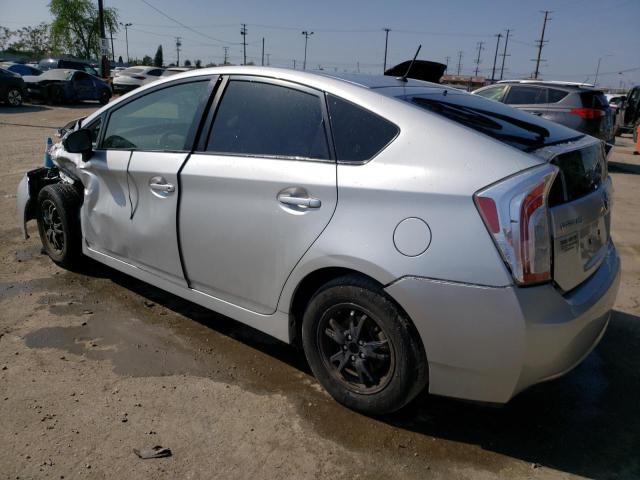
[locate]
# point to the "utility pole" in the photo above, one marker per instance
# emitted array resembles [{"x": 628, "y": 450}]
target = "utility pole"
[
  {"x": 263, "y": 51},
  {"x": 459, "y": 61},
  {"x": 306, "y": 39},
  {"x": 386, "y": 44},
  {"x": 178, "y": 45},
  {"x": 541, "y": 43},
  {"x": 268, "y": 59},
  {"x": 126, "y": 36},
  {"x": 447, "y": 58},
  {"x": 480, "y": 48},
  {"x": 226, "y": 55},
  {"x": 495, "y": 59},
  {"x": 243, "y": 32},
  {"x": 504, "y": 52},
  {"x": 103, "y": 37},
  {"x": 113, "y": 52},
  {"x": 294, "y": 63},
  {"x": 595, "y": 82}
]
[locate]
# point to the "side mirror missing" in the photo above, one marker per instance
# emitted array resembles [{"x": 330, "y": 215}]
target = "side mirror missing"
[{"x": 79, "y": 142}]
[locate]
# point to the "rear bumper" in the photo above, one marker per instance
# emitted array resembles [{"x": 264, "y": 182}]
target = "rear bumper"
[{"x": 489, "y": 343}]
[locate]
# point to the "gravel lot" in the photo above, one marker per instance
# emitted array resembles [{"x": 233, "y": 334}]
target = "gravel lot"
[{"x": 95, "y": 364}]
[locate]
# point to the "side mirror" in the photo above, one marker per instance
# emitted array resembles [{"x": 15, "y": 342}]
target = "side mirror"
[{"x": 79, "y": 142}]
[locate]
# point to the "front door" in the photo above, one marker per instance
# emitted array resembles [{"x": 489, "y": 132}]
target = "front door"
[
  {"x": 133, "y": 207},
  {"x": 258, "y": 193}
]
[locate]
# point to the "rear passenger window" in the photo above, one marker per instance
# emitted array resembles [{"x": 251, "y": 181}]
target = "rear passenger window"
[
  {"x": 359, "y": 135},
  {"x": 556, "y": 95},
  {"x": 264, "y": 119},
  {"x": 526, "y": 95}
]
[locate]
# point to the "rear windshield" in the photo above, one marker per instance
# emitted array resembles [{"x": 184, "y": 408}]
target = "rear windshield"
[
  {"x": 581, "y": 172},
  {"x": 133, "y": 70},
  {"x": 508, "y": 125},
  {"x": 594, "y": 100}
]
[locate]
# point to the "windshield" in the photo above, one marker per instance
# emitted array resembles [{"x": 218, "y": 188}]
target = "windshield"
[{"x": 514, "y": 127}]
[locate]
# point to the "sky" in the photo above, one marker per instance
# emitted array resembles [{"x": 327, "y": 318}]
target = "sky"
[{"x": 349, "y": 35}]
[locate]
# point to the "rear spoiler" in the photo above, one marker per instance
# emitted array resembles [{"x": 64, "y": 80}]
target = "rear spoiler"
[{"x": 421, "y": 70}]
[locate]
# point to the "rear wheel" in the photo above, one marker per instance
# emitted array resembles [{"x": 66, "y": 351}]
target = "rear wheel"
[
  {"x": 59, "y": 223},
  {"x": 104, "y": 97},
  {"x": 14, "y": 97},
  {"x": 362, "y": 348}
]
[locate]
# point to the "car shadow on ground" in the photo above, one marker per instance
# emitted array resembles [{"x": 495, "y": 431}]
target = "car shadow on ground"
[
  {"x": 23, "y": 108},
  {"x": 619, "y": 167},
  {"x": 585, "y": 423}
]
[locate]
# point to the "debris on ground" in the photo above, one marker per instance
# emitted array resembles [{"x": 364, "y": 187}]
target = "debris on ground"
[{"x": 157, "y": 451}]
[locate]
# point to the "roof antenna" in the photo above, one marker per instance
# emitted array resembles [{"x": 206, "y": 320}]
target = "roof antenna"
[{"x": 404, "y": 77}]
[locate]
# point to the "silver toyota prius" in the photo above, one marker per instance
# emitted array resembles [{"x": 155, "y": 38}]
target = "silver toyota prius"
[{"x": 405, "y": 234}]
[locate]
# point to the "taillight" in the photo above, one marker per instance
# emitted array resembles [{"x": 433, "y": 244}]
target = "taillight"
[
  {"x": 516, "y": 215},
  {"x": 588, "y": 113},
  {"x": 138, "y": 77}
]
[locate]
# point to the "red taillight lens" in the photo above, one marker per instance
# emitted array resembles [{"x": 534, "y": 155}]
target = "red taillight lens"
[
  {"x": 588, "y": 113},
  {"x": 515, "y": 213},
  {"x": 489, "y": 213},
  {"x": 138, "y": 77}
]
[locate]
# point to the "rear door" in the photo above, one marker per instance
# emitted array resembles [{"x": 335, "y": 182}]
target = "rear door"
[
  {"x": 133, "y": 206},
  {"x": 258, "y": 192}
]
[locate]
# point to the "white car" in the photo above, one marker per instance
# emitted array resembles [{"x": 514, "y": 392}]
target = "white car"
[
  {"x": 133, "y": 77},
  {"x": 173, "y": 70},
  {"x": 117, "y": 71}
]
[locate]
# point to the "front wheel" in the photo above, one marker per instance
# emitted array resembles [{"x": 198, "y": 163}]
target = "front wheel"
[
  {"x": 59, "y": 223},
  {"x": 104, "y": 97},
  {"x": 362, "y": 348},
  {"x": 14, "y": 97}
]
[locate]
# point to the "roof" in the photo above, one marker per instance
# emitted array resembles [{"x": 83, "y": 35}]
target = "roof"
[{"x": 374, "y": 81}]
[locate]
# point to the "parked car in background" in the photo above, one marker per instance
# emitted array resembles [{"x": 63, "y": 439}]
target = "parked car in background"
[
  {"x": 629, "y": 114},
  {"x": 115, "y": 71},
  {"x": 475, "y": 260},
  {"x": 21, "y": 69},
  {"x": 173, "y": 70},
  {"x": 133, "y": 77},
  {"x": 615, "y": 101},
  {"x": 574, "y": 105},
  {"x": 65, "y": 86},
  {"x": 53, "y": 63},
  {"x": 12, "y": 88}
]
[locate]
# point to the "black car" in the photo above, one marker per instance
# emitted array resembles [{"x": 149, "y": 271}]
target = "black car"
[
  {"x": 53, "y": 63},
  {"x": 11, "y": 88},
  {"x": 628, "y": 119},
  {"x": 21, "y": 69},
  {"x": 573, "y": 105},
  {"x": 63, "y": 86}
]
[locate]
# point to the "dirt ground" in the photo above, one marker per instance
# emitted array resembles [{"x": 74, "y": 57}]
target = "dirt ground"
[{"x": 95, "y": 364}]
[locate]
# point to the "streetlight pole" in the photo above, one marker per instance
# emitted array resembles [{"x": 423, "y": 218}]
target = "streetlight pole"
[
  {"x": 126, "y": 36},
  {"x": 306, "y": 39}
]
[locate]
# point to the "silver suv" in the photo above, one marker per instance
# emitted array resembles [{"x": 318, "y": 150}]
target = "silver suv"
[{"x": 405, "y": 234}]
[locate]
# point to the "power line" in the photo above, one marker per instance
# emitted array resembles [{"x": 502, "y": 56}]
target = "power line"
[{"x": 541, "y": 43}]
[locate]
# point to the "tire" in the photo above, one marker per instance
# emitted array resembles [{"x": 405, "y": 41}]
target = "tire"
[
  {"x": 58, "y": 217},
  {"x": 104, "y": 97},
  {"x": 55, "y": 95},
  {"x": 371, "y": 360},
  {"x": 14, "y": 97}
]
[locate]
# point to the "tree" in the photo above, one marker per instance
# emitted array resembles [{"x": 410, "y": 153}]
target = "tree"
[
  {"x": 5, "y": 36},
  {"x": 147, "y": 61},
  {"x": 198, "y": 63},
  {"x": 157, "y": 60},
  {"x": 76, "y": 29},
  {"x": 120, "y": 62},
  {"x": 34, "y": 40},
  {"x": 187, "y": 63}
]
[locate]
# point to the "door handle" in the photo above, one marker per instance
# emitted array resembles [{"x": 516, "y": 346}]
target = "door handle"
[
  {"x": 159, "y": 184},
  {"x": 307, "y": 202}
]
